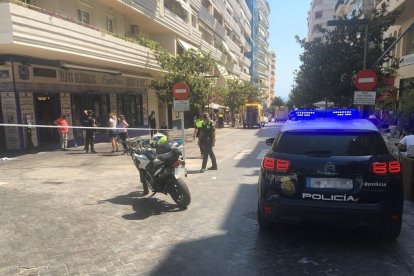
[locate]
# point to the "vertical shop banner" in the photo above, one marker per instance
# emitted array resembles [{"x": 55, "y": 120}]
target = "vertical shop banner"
[
  {"x": 8, "y": 107},
  {"x": 65, "y": 110},
  {"x": 28, "y": 115}
]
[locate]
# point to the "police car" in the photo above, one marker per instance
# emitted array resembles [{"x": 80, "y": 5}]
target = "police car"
[{"x": 330, "y": 167}]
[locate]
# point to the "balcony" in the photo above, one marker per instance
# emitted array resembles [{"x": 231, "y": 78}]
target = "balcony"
[
  {"x": 30, "y": 29},
  {"x": 209, "y": 20}
]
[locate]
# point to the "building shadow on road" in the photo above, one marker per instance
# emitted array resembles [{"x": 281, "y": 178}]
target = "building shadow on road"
[
  {"x": 241, "y": 248},
  {"x": 143, "y": 207}
]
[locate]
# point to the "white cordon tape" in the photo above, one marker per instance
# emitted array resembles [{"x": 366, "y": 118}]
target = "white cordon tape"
[{"x": 82, "y": 127}]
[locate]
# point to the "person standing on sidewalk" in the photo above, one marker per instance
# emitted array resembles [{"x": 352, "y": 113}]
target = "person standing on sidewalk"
[
  {"x": 63, "y": 131},
  {"x": 123, "y": 134},
  {"x": 152, "y": 123},
  {"x": 90, "y": 132},
  {"x": 207, "y": 140},
  {"x": 113, "y": 132}
]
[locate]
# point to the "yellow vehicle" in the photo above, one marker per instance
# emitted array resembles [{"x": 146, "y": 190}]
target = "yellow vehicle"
[{"x": 253, "y": 115}]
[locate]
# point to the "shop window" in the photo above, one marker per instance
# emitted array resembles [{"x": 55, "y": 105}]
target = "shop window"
[
  {"x": 98, "y": 103},
  {"x": 130, "y": 105}
]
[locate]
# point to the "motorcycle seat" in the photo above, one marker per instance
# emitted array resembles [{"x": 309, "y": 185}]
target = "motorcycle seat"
[{"x": 165, "y": 156}]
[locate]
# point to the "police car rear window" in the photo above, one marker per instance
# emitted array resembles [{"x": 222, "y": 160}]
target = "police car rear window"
[{"x": 331, "y": 144}]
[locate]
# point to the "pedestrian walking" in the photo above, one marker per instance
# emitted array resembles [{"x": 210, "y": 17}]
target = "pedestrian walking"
[
  {"x": 89, "y": 132},
  {"x": 198, "y": 123},
  {"x": 220, "y": 120},
  {"x": 123, "y": 133},
  {"x": 63, "y": 131},
  {"x": 207, "y": 140},
  {"x": 152, "y": 123},
  {"x": 113, "y": 132}
]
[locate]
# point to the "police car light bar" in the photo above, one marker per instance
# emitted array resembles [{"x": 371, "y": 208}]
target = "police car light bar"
[{"x": 327, "y": 114}]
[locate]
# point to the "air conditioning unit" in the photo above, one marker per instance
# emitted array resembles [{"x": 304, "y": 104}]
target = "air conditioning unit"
[{"x": 134, "y": 30}]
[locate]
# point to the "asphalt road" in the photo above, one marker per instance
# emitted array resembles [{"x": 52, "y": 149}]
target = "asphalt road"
[{"x": 70, "y": 213}]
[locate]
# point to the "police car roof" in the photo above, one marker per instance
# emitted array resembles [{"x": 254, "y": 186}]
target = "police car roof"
[{"x": 328, "y": 124}]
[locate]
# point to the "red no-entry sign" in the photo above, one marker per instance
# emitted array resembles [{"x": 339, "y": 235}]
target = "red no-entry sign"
[
  {"x": 181, "y": 91},
  {"x": 366, "y": 80}
]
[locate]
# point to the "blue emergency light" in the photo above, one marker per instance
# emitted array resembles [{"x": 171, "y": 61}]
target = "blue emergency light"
[{"x": 307, "y": 114}]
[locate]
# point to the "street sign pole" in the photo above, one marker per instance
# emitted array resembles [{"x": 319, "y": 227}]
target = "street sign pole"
[{"x": 181, "y": 92}]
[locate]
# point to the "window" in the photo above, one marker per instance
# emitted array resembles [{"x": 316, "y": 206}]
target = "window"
[
  {"x": 83, "y": 16},
  {"x": 409, "y": 42},
  {"x": 109, "y": 25},
  {"x": 332, "y": 144},
  {"x": 318, "y": 14}
]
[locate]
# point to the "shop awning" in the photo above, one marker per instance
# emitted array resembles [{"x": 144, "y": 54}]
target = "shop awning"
[{"x": 187, "y": 46}]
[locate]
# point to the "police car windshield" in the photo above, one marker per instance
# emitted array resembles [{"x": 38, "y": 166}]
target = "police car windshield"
[{"x": 331, "y": 143}]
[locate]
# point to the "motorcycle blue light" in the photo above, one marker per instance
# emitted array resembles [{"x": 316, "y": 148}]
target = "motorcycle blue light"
[{"x": 331, "y": 114}]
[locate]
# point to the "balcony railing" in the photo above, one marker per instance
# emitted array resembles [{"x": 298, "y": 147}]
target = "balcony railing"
[{"x": 71, "y": 40}]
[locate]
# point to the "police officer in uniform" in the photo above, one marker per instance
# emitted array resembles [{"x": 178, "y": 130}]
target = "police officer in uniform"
[
  {"x": 197, "y": 128},
  {"x": 207, "y": 138},
  {"x": 90, "y": 133}
]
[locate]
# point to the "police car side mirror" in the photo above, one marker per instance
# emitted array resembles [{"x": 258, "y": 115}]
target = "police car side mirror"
[{"x": 269, "y": 141}]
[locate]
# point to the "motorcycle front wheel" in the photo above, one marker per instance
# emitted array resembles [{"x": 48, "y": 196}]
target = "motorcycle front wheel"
[{"x": 179, "y": 192}]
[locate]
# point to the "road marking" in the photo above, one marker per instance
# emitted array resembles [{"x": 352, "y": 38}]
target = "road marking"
[
  {"x": 262, "y": 154},
  {"x": 241, "y": 155}
]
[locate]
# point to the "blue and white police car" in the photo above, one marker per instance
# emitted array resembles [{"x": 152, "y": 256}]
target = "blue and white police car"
[{"x": 330, "y": 167}]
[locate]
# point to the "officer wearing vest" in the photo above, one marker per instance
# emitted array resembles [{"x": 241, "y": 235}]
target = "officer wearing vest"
[
  {"x": 198, "y": 123},
  {"x": 207, "y": 139},
  {"x": 220, "y": 120}
]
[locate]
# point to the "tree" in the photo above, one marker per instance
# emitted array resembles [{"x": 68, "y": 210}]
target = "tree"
[
  {"x": 237, "y": 93},
  {"x": 190, "y": 67},
  {"x": 278, "y": 101},
  {"x": 330, "y": 64}
]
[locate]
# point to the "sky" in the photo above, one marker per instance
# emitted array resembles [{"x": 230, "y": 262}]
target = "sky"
[{"x": 286, "y": 20}]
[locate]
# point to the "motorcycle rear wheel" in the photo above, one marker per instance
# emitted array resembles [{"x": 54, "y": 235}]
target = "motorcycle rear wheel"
[{"x": 179, "y": 192}]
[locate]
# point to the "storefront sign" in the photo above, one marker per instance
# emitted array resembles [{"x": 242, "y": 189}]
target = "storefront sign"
[
  {"x": 112, "y": 81},
  {"x": 77, "y": 77}
]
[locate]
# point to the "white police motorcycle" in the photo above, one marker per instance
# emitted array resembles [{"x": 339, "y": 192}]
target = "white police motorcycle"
[{"x": 160, "y": 169}]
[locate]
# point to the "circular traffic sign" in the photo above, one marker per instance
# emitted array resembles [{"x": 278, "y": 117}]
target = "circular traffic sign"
[
  {"x": 181, "y": 91},
  {"x": 366, "y": 80}
]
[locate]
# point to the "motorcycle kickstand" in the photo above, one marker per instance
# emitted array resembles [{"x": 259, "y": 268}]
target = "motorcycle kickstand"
[{"x": 151, "y": 195}]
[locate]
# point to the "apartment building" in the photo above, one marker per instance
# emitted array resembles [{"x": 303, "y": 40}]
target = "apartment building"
[
  {"x": 272, "y": 77},
  {"x": 259, "y": 55},
  {"x": 320, "y": 12},
  {"x": 64, "y": 56},
  {"x": 345, "y": 8},
  {"x": 404, "y": 49}
]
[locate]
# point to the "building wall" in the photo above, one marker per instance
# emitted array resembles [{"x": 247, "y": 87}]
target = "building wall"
[
  {"x": 320, "y": 12},
  {"x": 48, "y": 35}
]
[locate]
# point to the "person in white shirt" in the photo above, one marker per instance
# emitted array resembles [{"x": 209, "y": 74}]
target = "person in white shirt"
[
  {"x": 407, "y": 143},
  {"x": 112, "y": 133},
  {"x": 123, "y": 134}
]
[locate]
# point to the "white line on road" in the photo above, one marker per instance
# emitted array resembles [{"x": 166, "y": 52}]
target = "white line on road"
[{"x": 241, "y": 155}]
